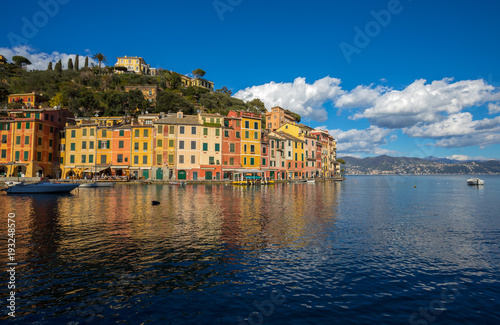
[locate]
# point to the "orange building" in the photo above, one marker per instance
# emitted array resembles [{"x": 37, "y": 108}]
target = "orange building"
[{"x": 29, "y": 100}]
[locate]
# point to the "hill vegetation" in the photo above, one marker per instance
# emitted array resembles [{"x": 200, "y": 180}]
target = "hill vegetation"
[{"x": 91, "y": 90}]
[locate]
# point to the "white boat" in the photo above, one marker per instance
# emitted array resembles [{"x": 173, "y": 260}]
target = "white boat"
[
  {"x": 475, "y": 181},
  {"x": 11, "y": 183},
  {"x": 311, "y": 181},
  {"x": 97, "y": 184},
  {"x": 41, "y": 187}
]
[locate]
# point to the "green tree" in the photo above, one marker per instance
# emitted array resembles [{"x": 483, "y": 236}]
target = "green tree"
[
  {"x": 257, "y": 105},
  {"x": 57, "y": 100},
  {"x": 86, "y": 62},
  {"x": 198, "y": 73},
  {"x": 340, "y": 160},
  {"x": 20, "y": 61},
  {"x": 101, "y": 58},
  {"x": 70, "y": 64},
  {"x": 170, "y": 101},
  {"x": 174, "y": 80},
  {"x": 224, "y": 90},
  {"x": 77, "y": 62},
  {"x": 49, "y": 66},
  {"x": 58, "y": 66}
]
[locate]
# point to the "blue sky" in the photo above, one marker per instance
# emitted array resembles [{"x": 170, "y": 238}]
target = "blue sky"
[{"x": 421, "y": 78}]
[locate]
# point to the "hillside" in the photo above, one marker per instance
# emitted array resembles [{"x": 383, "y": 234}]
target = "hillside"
[{"x": 416, "y": 166}]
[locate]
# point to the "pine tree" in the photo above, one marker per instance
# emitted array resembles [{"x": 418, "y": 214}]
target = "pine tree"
[
  {"x": 70, "y": 64},
  {"x": 58, "y": 66},
  {"x": 86, "y": 62},
  {"x": 50, "y": 66},
  {"x": 77, "y": 62}
]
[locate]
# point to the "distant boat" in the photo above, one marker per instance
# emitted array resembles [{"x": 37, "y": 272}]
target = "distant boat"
[
  {"x": 41, "y": 187},
  {"x": 475, "y": 181},
  {"x": 311, "y": 181},
  {"x": 97, "y": 184}
]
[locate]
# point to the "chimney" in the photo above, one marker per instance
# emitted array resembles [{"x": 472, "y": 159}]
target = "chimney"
[{"x": 180, "y": 114}]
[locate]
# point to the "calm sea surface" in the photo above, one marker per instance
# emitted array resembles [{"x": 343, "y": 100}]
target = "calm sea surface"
[{"x": 370, "y": 250}]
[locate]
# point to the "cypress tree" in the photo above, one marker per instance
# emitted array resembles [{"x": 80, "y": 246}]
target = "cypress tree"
[
  {"x": 86, "y": 62},
  {"x": 58, "y": 66},
  {"x": 77, "y": 62},
  {"x": 50, "y": 66},
  {"x": 70, "y": 64}
]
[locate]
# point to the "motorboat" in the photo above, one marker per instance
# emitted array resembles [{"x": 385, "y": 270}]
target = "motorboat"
[
  {"x": 12, "y": 183},
  {"x": 97, "y": 184},
  {"x": 42, "y": 187},
  {"x": 475, "y": 181},
  {"x": 311, "y": 181}
]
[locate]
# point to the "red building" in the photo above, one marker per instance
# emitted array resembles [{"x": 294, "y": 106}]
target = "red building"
[
  {"x": 231, "y": 144},
  {"x": 30, "y": 100}
]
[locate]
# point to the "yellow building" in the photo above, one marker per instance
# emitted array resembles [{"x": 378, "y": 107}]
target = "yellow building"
[
  {"x": 143, "y": 137},
  {"x": 250, "y": 139},
  {"x": 135, "y": 64},
  {"x": 198, "y": 82}
]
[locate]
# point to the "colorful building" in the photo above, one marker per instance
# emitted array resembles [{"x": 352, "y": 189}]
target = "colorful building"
[
  {"x": 211, "y": 146},
  {"x": 250, "y": 138},
  {"x": 30, "y": 142},
  {"x": 231, "y": 145},
  {"x": 149, "y": 91},
  {"x": 30, "y": 100},
  {"x": 196, "y": 82},
  {"x": 135, "y": 64},
  {"x": 277, "y": 117}
]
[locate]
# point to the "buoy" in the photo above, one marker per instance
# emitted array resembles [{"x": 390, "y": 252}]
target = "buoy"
[
  {"x": 414, "y": 186},
  {"x": 155, "y": 202}
]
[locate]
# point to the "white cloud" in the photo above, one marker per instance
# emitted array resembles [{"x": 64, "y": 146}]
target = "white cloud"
[
  {"x": 40, "y": 60},
  {"x": 421, "y": 102},
  {"x": 299, "y": 97},
  {"x": 494, "y": 108},
  {"x": 360, "y": 97},
  {"x": 367, "y": 141},
  {"x": 466, "y": 158},
  {"x": 469, "y": 140}
]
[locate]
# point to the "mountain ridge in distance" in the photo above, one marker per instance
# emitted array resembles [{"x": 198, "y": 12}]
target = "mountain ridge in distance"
[{"x": 384, "y": 164}]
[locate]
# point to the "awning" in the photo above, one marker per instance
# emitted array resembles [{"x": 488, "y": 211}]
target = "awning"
[
  {"x": 243, "y": 170},
  {"x": 11, "y": 163},
  {"x": 145, "y": 167},
  {"x": 120, "y": 167}
]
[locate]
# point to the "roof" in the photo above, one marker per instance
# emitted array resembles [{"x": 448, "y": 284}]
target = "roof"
[{"x": 185, "y": 120}]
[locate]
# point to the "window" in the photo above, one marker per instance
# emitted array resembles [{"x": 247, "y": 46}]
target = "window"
[
  {"x": 84, "y": 145},
  {"x": 39, "y": 141},
  {"x": 193, "y": 145},
  {"x": 91, "y": 144},
  {"x": 181, "y": 129},
  {"x": 263, "y": 149},
  {"x": 226, "y": 133},
  {"x": 84, "y": 132},
  {"x": 171, "y": 129},
  {"x": 144, "y": 160},
  {"x": 50, "y": 143},
  {"x": 231, "y": 148},
  {"x": 205, "y": 147},
  {"x": 231, "y": 161},
  {"x": 17, "y": 155},
  {"x": 205, "y": 131},
  {"x": 252, "y": 161},
  {"x": 136, "y": 160},
  {"x": 217, "y": 147},
  {"x": 119, "y": 158},
  {"x": 193, "y": 130},
  {"x": 122, "y": 133},
  {"x": 170, "y": 159},
  {"x": 18, "y": 139},
  {"x": 145, "y": 146},
  {"x": 52, "y": 129},
  {"x": 19, "y": 125},
  {"x": 237, "y": 134},
  {"x": 91, "y": 158},
  {"x": 158, "y": 159},
  {"x": 26, "y": 140},
  {"x": 263, "y": 161},
  {"x": 146, "y": 133},
  {"x": 72, "y": 159},
  {"x": 27, "y": 125},
  {"x": 256, "y": 135},
  {"x": 211, "y": 160},
  {"x": 244, "y": 160},
  {"x": 181, "y": 144},
  {"x": 245, "y": 148},
  {"x": 91, "y": 133},
  {"x": 247, "y": 125},
  {"x": 72, "y": 146},
  {"x": 256, "y": 125},
  {"x": 84, "y": 159},
  {"x": 160, "y": 129},
  {"x": 181, "y": 159},
  {"x": 104, "y": 133},
  {"x": 247, "y": 134},
  {"x": 252, "y": 148},
  {"x": 217, "y": 132},
  {"x": 237, "y": 123},
  {"x": 171, "y": 143},
  {"x": 193, "y": 159},
  {"x": 136, "y": 133},
  {"x": 160, "y": 143},
  {"x": 73, "y": 133},
  {"x": 50, "y": 156},
  {"x": 40, "y": 126},
  {"x": 121, "y": 144},
  {"x": 302, "y": 156},
  {"x": 4, "y": 153}
]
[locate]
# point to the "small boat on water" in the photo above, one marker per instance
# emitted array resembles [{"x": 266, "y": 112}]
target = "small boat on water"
[
  {"x": 12, "y": 183},
  {"x": 42, "y": 187},
  {"x": 97, "y": 184},
  {"x": 311, "y": 181},
  {"x": 475, "y": 181}
]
